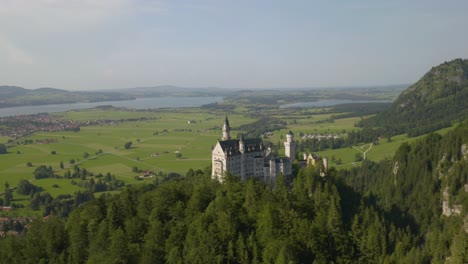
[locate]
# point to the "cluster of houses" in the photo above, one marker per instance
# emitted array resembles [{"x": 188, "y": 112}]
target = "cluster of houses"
[
  {"x": 12, "y": 226},
  {"x": 23, "y": 125},
  {"x": 146, "y": 174},
  {"x": 320, "y": 136}
]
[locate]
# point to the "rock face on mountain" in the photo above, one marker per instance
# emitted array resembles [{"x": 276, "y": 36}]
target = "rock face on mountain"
[{"x": 437, "y": 100}]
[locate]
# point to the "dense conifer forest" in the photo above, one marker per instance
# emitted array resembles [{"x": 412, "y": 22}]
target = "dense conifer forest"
[{"x": 387, "y": 212}]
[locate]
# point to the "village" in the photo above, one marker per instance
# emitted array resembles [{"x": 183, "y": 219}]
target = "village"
[
  {"x": 12, "y": 226},
  {"x": 23, "y": 125}
]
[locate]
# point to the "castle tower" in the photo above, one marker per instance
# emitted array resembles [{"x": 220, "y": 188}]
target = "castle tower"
[
  {"x": 242, "y": 143},
  {"x": 226, "y": 129},
  {"x": 290, "y": 146},
  {"x": 242, "y": 158},
  {"x": 272, "y": 173},
  {"x": 325, "y": 166}
]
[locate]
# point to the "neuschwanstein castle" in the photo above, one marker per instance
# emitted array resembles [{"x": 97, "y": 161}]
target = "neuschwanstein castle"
[{"x": 248, "y": 158}]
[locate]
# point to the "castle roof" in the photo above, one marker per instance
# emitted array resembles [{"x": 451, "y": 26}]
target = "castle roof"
[
  {"x": 231, "y": 146},
  {"x": 277, "y": 160}
]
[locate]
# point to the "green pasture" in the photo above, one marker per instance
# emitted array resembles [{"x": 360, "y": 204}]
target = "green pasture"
[
  {"x": 103, "y": 114},
  {"x": 155, "y": 143},
  {"x": 383, "y": 150},
  {"x": 320, "y": 124},
  {"x": 310, "y": 123},
  {"x": 57, "y": 186}
]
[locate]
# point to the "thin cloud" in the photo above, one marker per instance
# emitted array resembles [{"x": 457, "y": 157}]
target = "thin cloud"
[
  {"x": 58, "y": 15},
  {"x": 14, "y": 55},
  {"x": 19, "y": 7},
  {"x": 108, "y": 72}
]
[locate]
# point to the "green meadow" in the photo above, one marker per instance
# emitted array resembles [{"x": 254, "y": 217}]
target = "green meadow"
[
  {"x": 308, "y": 123},
  {"x": 155, "y": 142}
]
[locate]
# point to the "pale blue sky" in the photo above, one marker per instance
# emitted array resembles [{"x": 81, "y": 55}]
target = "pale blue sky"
[{"x": 101, "y": 44}]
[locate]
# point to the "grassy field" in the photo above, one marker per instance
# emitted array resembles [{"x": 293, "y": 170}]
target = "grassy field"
[
  {"x": 309, "y": 123},
  {"x": 155, "y": 144},
  {"x": 383, "y": 150}
]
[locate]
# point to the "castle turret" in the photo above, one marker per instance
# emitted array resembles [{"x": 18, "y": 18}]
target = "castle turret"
[
  {"x": 226, "y": 129},
  {"x": 242, "y": 143},
  {"x": 290, "y": 146},
  {"x": 242, "y": 150},
  {"x": 325, "y": 167}
]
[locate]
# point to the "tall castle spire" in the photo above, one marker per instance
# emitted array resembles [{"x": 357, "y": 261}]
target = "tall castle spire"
[{"x": 226, "y": 129}]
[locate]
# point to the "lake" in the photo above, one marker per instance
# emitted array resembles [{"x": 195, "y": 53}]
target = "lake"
[
  {"x": 139, "y": 103},
  {"x": 329, "y": 102}
]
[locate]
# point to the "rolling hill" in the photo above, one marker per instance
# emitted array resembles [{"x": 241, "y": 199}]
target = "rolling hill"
[
  {"x": 437, "y": 100},
  {"x": 11, "y": 96}
]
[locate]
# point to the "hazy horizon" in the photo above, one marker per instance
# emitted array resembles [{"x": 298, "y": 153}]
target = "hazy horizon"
[
  {"x": 117, "y": 44},
  {"x": 221, "y": 88}
]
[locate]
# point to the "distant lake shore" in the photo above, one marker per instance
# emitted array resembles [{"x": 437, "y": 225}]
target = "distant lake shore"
[
  {"x": 139, "y": 103},
  {"x": 329, "y": 102}
]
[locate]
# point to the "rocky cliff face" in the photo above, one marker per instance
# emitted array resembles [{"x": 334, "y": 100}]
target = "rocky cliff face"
[{"x": 450, "y": 207}]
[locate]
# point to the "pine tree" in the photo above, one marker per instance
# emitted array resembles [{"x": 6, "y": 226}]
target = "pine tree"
[
  {"x": 459, "y": 248},
  {"x": 119, "y": 252},
  {"x": 8, "y": 195},
  {"x": 76, "y": 229}
]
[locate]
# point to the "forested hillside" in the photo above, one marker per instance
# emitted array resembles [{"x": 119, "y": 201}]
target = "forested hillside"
[
  {"x": 437, "y": 100},
  {"x": 388, "y": 212},
  {"x": 12, "y": 96}
]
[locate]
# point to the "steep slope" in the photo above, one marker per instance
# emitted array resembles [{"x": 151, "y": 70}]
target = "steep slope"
[
  {"x": 439, "y": 98},
  {"x": 426, "y": 187}
]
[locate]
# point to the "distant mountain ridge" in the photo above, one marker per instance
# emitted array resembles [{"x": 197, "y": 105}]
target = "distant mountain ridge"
[
  {"x": 171, "y": 90},
  {"x": 437, "y": 100},
  {"x": 11, "y": 96},
  {"x": 11, "y": 91}
]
